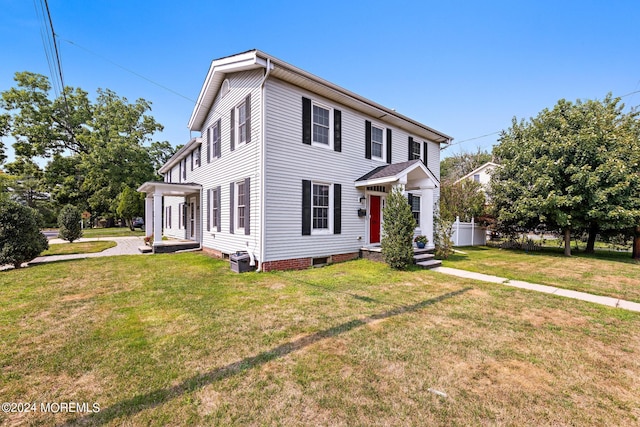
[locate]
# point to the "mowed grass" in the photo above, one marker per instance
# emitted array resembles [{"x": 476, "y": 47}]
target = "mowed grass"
[
  {"x": 78, "y": 248},
  {"x": 111, "y": 232},
  {"x": 612, "y": 274},
  {"x": 180, "y": 340}
]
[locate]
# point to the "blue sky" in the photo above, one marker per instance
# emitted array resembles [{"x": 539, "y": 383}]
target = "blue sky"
[{"x": 465, "y": 68}]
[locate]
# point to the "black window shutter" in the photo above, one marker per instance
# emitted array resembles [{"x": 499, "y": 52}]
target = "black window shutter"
[
  {"x": 209, "y": 145},
  {"x": 367, "y": 139},
  {"x": 306, "y": 207},
  {"x": 410, "y": 148},
  {"x": 410, "y": 199},
  {"x": 218, "y": 211},
  {"x": 231, "y": 216},
  {"x": 424, "y": 153},
  {"x": 337, "y": 208},
  {"x": 233, "y": 129},
  {"x": 219, "y": 145},
  {"x": 247, "y": 206},
  {"x": 191, "y": 157},
  {"x": 306, "y": 121},
  {"x": 389, "y": 146},
  {"x": 209, "y": 207},
  {"x": 337, "y": 130},
  {"x": 248, "y": 112}
]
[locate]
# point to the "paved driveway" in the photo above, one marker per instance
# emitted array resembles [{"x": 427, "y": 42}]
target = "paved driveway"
[{"x": 125, "y": 246}]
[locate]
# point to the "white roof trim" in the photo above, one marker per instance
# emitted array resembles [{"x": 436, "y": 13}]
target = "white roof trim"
[
  {"x": 169, "y": 188},
  {"x": 256, "y": 59},
  {"x": 400, "y": 176},
  {"x": 180, "y": 154}
]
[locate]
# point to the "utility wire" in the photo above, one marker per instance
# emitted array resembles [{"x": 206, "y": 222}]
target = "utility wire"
[{"x": 128, "y": 70}]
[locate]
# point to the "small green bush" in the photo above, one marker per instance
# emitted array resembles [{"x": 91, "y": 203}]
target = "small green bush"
[
  {"x": 69, "y": 223},
  {"x": 20, "y": 236},
  {"x": 397, "y": 231},
  {"x": 442, "y": 237}
]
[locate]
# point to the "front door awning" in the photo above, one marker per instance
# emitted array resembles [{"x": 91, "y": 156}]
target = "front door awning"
[
  {"x": 169, "y": 188},
  {"x": 412, "y": 174}
]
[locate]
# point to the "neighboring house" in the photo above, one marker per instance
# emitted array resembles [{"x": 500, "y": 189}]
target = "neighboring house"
[
  {"x": 481, "y": 175},
  {"x": 290, "y": 167}
]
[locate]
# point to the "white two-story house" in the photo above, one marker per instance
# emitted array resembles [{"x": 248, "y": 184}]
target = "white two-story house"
[{"x": 290, "y": 168}]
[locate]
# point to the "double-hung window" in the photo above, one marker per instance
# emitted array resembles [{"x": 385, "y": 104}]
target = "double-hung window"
[
  {"x": 196, "y": 156},
  {"x": 415, "y": 149},
  {"x": 215, "y": 140},
  {"x": 241, "y": 111},
  {"x": 241, "y": 204},
  {"x": 476, "y": 177},
  {"x": 214, "y": 207},
  {"x": 377, "y": 142},
  {"x": 320, "y": 207},
  {"x": 415, "y": 209},
  {"x": 321, "y": 125}
]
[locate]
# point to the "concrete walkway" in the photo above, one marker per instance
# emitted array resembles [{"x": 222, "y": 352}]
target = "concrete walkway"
[
  {"x": 612, "y": 302},
  {"x": 125, "y": 246}
]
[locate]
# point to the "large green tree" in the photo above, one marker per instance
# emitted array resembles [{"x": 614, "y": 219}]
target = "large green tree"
[
  {"x": 95, "y": 148},
  {"x": 571, "y": 168}
]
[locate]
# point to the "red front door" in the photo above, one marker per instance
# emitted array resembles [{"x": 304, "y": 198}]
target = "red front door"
[{"x": 374, "y": 219}]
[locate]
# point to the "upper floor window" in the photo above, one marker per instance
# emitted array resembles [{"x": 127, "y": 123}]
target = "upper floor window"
[
  {"x": 476, "y": 177},
  {"x": 415, "y": 149},
  {"x": 196, "y": 155},
  {"x": 215, "y": 140},
  {"x": 321, "y": 125},
  {"x": 242, "y": 123},
  {"x": 377, "y": 142}
]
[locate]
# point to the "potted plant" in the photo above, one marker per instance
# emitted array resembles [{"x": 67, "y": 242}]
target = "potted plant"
[{"x": 421, "y": 241}]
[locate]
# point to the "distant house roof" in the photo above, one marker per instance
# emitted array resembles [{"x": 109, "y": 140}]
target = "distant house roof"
[{"x": 478, "y": 170}]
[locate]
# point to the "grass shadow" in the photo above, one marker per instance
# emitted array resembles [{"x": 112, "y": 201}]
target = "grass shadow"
[{"x": 158, "y": 397}]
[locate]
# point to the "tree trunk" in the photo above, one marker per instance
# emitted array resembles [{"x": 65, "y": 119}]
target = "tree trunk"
[
  {"x": 591, "y": 241},
  {"x": 567, "y": 241},
  {"x": 636, "y": 244}
]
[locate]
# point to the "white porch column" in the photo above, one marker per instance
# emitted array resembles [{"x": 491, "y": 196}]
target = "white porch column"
[
  {"x": 148, "y": 215},
  {"x": 426, "y": 213},
  {"x": 157, "y": 218}
]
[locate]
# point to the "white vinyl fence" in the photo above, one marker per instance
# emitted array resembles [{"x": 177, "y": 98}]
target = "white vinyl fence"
[{"x": 468, "y": 233}]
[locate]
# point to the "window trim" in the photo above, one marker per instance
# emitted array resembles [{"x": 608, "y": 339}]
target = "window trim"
[
  {"x": 416, "y": 143},
  {"x": 237, "y": 125},
  {"x": 239, "y": 203},
  {"x": 383, "y": 143},
  {"x": 213, "y": 215},
  {"x": 413, "y": 199},
  {"x": 329, "y": 208},
  {"x": 330, "y": 110}
]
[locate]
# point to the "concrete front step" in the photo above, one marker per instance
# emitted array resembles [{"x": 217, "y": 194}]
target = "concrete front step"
[
  {"x": 423, "y": 257},
  {"x": 145, "y": 249},
  {"x": 432, "y": 263}
]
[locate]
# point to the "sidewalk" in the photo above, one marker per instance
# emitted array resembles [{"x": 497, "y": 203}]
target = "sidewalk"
[
  {"x": 611, "y": 302},
  {"x": 125, "y": 246}
]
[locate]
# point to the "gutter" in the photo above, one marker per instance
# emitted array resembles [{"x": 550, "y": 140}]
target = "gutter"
[{"x": 262, "y": 166}]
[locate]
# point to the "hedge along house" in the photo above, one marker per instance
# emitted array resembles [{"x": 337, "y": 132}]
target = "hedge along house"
[{"x": 290, "y": 167}]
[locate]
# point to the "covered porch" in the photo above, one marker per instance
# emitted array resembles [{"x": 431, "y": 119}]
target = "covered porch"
[
  {"x": 418, "y": 184},
  {"x": 155, "y": 217}
]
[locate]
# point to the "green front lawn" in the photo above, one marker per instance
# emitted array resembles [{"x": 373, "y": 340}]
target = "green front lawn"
[
  {"x": 180, "y": 340},
  {"x": 612, "y": 274},
  {"x": 111, "y": 232},
  {"x": 78, "y": 248}
]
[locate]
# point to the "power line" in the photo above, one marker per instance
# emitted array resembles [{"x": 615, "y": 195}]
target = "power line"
[{"x": 128, "y": 70}]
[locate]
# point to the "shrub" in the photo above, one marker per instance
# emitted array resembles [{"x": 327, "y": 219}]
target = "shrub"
[
  {"x": 69, "y": 223},
  {"x": 442, "y": 237},
  {"x": 20, "y": 236},
  {"x": 397, "y": 231}
]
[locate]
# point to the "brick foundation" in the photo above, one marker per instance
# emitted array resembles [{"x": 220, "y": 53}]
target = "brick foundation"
[
  {"x": 212, "y": 252},
  {"x": 304, "y": 263}
]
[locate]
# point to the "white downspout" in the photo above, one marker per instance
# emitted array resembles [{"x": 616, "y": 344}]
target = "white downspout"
[{"x": 262, "y": 168}]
